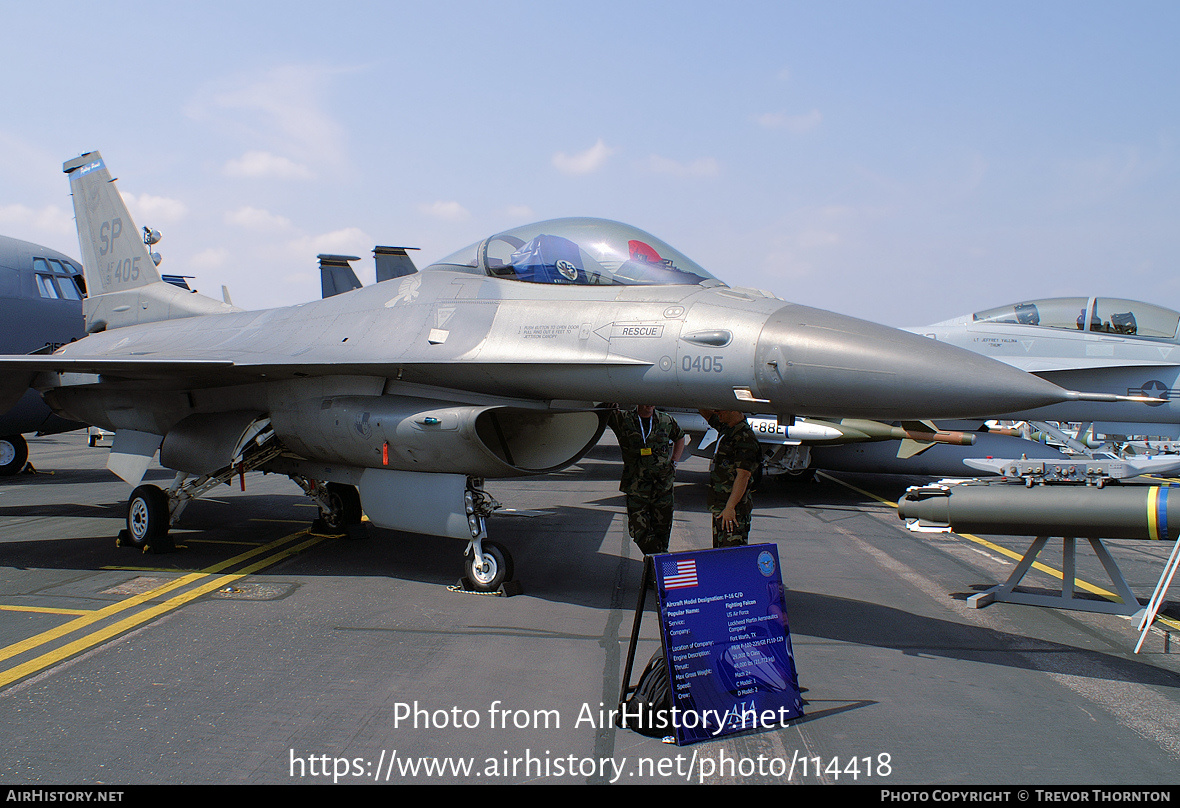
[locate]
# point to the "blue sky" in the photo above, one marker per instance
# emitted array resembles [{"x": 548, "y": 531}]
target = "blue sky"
[{"x": 904, "y": 162}]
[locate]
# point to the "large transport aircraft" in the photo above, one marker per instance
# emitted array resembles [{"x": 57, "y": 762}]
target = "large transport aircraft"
[
  {"x": 401, "y": 398},
  {"x": 41, "y": 293}
]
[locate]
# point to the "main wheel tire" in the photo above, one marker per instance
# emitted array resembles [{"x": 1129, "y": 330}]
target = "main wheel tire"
[
  {"x": 14, "y": 453},
  {"x": 796, "y": 477},
  {"x": 345, "y": 503},
  {"x": 494, "y": 569},
  {"x": 147, "y": 519}
]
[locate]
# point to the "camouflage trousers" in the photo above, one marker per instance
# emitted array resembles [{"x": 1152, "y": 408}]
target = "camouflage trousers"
[
  {"x": 649, "y": 521},
  {"x": 739, "y": 536}
]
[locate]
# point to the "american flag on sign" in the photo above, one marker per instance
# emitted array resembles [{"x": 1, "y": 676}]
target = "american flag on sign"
[{"x": 680, "y": 574}]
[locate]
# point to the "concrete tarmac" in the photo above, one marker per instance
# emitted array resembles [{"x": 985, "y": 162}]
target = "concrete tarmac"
[{"x": 259, "y": 653}]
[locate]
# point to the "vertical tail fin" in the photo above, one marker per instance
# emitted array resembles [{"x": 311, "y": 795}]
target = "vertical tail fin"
[
  {"x": 393, "y": 262},
  {"x": 113, "y": 255},
  {"x": 336, "y": 275},
  {"x": 123, "y": 284}
]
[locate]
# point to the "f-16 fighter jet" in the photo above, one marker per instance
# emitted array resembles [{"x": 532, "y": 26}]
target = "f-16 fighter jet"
[{"x": 399, "y": 399}]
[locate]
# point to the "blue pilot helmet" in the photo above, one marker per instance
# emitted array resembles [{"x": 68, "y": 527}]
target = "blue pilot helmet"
[{"x": 549, "y": 259}]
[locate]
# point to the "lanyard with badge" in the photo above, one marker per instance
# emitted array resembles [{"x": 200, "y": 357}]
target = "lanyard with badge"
[{"x": 645, "y": 451}]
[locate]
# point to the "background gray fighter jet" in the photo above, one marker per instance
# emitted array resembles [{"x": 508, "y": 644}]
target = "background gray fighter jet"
[
  {"x": 403, "y": 396},
  {"x": 1099, "y": 343},
  {"x": 41, "y": 294}
]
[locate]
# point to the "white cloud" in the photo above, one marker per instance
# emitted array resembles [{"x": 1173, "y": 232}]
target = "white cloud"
[
  {"x": 49, "y": 219},
  {"x": 796, "y": 124},
  {"x": 281, "y": 110},
  {"x": 212, "y": 258},
  {"x": 257, "y": 219},
  {"x": 583, "y": 162},
  {"x": 152, "y": 211},
  {"x": 346, "y": 241},
  {"x": 701, "y": 167},
  {"x": 811, "y": 239},
  {"x": 447, "y": 211},
  {"x": 263, "y": 165}
]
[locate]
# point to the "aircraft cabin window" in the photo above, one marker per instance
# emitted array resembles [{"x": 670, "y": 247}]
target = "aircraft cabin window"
[
  {"x": 1129, "y": 318},
  {"x": 46, "y": 288},
  {"x": 68, "y": 287},
  {"x": 57, "y": 280},
  {"x": 1060, "y": 312},
  {"x": 1133, "y": 318},
  {"x": 58, "y": 288},
  {"x": 583, "y": 252}
]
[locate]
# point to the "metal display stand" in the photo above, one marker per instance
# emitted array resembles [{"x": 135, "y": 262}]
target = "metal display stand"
[
  {"x": 649, "y": 577},
  {"x": 1004, "y": 593}
]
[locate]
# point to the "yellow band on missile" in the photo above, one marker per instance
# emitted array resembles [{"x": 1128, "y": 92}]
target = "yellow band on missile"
[{"x": 1157, "y": 514}]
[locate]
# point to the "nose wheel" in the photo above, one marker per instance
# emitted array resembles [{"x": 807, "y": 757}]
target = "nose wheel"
[{"x": 487, "y": 566}]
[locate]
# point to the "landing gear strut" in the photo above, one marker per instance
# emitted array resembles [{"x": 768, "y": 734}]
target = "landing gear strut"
[
  {"x": 487, "y": 566},
  {"x": 152, "y": 511}
]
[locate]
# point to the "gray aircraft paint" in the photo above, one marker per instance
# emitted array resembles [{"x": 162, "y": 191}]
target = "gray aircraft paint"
[
  {"x": 1082, "y": 359},
  {"x": 455, "y": 371}
]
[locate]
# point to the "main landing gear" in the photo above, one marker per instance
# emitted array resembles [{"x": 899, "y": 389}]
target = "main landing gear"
[
  {"x": 339, "y": 504},
  {"x": 148, "y": 520},
  {"x": 14, "y": 453},
  {"x": 152, "y": 511}
]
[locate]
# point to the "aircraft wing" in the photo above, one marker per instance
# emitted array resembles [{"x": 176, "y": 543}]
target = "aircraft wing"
[{"x": 17, "y": 373}]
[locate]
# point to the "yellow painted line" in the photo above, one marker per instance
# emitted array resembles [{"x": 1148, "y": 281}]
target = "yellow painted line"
[
  {"x": 1078, "y": 583},
  {"x": 115, "y": 608},
  {"x": 869, "y": 494},
  {"x": 90, "y": 640},
  {"x": 43, "y": 610}
]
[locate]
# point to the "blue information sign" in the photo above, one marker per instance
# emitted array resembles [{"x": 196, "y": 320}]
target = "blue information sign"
[{"x": 726, "y": 641}]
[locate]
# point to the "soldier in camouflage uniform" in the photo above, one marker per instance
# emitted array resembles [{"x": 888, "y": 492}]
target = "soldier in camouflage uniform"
[
  {"x": 651, "y": 442},
  {"x": 737, "y": 458}
]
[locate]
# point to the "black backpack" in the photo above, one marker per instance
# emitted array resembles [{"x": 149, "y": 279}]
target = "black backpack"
[{"x": 648, "y": 710}]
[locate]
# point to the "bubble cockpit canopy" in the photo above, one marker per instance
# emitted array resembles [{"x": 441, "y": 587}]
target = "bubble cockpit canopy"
[
  {"x": 1107, "y": 315},
  {"x": 578, "y": 251}
]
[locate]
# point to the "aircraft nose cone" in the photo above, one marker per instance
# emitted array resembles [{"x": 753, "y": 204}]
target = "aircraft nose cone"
[{"x": 821, "y": 363}]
